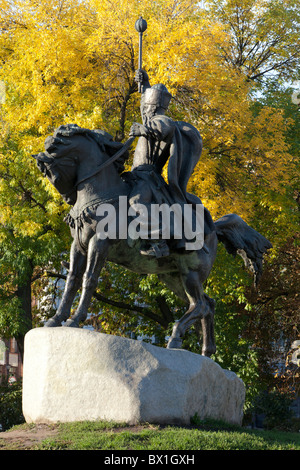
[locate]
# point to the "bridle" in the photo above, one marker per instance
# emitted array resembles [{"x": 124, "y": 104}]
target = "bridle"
[{"x": 52, "y": 162}]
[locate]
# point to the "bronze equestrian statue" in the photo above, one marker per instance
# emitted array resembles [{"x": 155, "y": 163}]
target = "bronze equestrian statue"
[{"x": 87, "y": 168}]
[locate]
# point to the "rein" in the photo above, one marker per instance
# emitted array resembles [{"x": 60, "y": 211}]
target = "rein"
[
  {"x": 98, "y": 169},
  {"x": 108, "y": 162}
]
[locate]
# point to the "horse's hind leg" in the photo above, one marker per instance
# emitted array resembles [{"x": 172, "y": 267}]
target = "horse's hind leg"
[
  {"x": 97, "y": 253},
  {"x": 208, "y": 329},
  {"x": 201, "y": 308},
  {"x": 73, "y": 283}
]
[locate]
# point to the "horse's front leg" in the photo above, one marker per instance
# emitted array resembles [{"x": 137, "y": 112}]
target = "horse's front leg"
[
  {"x": 97, "y": 253},
  {"x": 73, "y": 283}
]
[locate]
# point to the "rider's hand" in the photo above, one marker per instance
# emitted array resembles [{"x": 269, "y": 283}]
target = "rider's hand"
[
  {"x": 137, "y": 130},
  {"x": 141, "y": 77}
]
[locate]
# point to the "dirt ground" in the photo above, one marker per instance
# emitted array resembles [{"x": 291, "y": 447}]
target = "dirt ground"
[
  {"x": 29, "y": 438},
  {"x": 25, "y": 439}
]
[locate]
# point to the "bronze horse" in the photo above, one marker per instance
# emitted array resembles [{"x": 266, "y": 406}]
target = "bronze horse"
[{"x": 79, "y": 163}]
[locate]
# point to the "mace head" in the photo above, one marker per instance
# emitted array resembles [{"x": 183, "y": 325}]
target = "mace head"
[{"x": 141, "y": 25}]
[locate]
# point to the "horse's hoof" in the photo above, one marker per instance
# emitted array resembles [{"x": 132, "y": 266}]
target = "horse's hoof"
[
  {"x": 72, "y": 323},
  {"x": 174, "y": 343},
  {"x": 52, "y": 323},
  {"x": 208, "y": 351}
]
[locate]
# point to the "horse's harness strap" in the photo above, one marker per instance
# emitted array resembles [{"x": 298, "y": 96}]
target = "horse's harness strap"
[
  {"x": 76, "y": 222},
  {"x": 95, "y": 202}
]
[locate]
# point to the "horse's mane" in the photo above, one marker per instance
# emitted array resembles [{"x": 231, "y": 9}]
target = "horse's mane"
[{"x": 102, "y": 138}]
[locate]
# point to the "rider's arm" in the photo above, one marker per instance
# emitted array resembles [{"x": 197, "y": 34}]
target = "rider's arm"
[
  {"x": 138, "y": 130},
  {"x": 160, "y": 128}
]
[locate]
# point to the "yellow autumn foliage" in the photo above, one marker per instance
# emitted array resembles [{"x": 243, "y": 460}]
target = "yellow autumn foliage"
[{"x": 73, "y": 61}]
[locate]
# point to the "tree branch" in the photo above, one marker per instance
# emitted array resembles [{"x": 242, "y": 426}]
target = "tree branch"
[{"x": 146, "y": 312}]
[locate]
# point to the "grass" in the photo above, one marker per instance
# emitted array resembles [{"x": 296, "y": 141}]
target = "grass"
[{"x": 209, "y": 435}]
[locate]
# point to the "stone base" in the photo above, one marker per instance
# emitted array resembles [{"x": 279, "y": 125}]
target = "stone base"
[{"x": 75, "y": 375}]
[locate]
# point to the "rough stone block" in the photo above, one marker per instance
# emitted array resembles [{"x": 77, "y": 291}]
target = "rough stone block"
[{"x": 75, "y": 374}]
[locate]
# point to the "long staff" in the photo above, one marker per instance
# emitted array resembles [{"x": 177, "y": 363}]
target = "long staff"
[{"x": 140, "y": 26}]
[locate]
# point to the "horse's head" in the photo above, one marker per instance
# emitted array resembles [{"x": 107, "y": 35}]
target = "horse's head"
[
  {"x": 73, "y": 153},
  {"x": 59, "y": 164}
]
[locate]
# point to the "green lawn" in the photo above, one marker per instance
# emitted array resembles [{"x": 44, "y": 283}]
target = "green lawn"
[{"x": 207, "y": 436}]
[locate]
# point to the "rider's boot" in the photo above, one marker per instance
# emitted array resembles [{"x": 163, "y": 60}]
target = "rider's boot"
[{"x": 156, "y": 249}]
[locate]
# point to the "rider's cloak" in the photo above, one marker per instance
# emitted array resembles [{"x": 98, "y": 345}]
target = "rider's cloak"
[{"x": 179, "y": 144}]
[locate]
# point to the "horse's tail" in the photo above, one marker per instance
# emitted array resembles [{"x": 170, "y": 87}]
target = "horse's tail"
[{"x": 239, "y": 238}]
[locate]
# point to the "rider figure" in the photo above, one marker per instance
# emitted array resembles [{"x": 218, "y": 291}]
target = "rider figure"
[
  {"x": 153, "y": 148},
  {"x": 160, "y": 140}
]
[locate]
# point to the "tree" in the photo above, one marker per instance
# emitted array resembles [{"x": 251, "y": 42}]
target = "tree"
[
  {"x": 260, "y": 49},
  {"x": 74, "y": 61},
  {"x": 273, "y": 322},
  {"x": 264, "y": 36},
  {"x": 32, "y": 236}
]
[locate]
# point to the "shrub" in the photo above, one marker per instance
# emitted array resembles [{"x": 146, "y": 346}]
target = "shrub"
[
  {"x": 276, "y": 408},
  {"x": 10, "y": 405}
]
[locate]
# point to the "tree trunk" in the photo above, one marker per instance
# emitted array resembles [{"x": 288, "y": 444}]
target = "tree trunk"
[{"x": 24, "y": 294}]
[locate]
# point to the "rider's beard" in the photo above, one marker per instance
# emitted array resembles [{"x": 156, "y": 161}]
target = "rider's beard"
[{"x": 146, "y": 116}]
